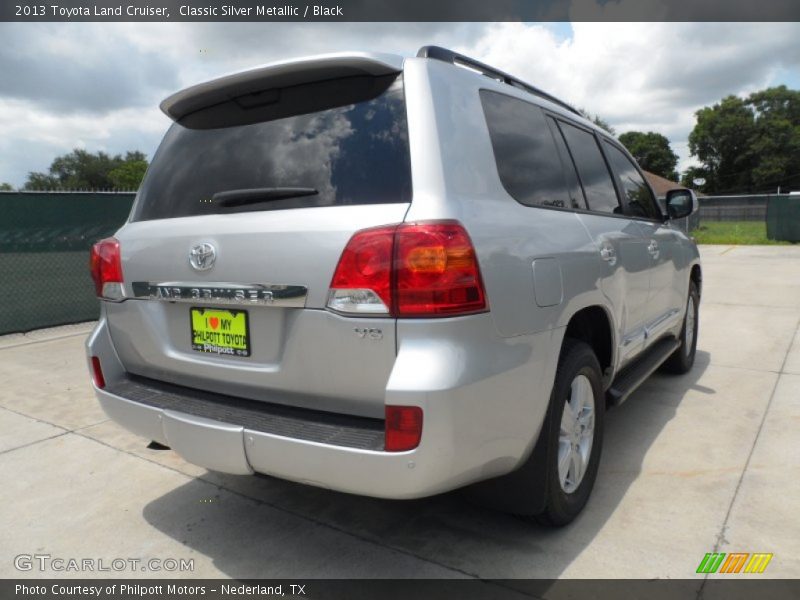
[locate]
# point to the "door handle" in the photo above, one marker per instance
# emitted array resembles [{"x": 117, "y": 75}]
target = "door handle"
[
  {"x": 608, "y": 254},
  {"x": 653, "y": 249}
]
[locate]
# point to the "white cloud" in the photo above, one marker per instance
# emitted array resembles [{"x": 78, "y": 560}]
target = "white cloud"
[
  {"x": 33, "y": 137},
  {"x": 644, "y": 76},
  {"x": 84, "y": 84},
  {"x": 79, "y": 67},
  {"x": 98, "y": 85}
]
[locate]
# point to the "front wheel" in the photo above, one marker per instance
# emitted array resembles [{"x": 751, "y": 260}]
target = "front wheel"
[
  {"x": 575, "y": 433},
  {"x": 682, "y": 360}
]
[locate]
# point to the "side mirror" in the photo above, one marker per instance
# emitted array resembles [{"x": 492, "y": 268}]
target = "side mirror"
[{"x": 681, "y": 203}]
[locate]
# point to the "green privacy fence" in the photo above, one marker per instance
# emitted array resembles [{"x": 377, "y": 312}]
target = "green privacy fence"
[
  {"x": 45, "y": 239},
  {"x": 783, "y": 218}
]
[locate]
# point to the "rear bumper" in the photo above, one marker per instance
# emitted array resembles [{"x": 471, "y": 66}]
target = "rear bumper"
[
  {"x": 481, "y": 419},
  {"x": 228, "y": 448}
]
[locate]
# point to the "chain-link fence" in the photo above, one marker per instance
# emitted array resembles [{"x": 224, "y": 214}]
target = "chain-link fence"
[
  {"x": 45, "y": 239},
  {"x": 734, "y": 208}
]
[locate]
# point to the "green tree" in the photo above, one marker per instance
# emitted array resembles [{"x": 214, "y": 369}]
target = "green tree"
[
  {"x": 652, "y": 151},
  {"x": 751, "y": 144},
  {"x": 722, "y": 139},
  {"x": 6, "y": 187},
  {"x": 129, "y": 175},
  {"x": 776, "y": 143},
  {"x": 41, "y": 181},
  {"x": 82, "y": 170}
]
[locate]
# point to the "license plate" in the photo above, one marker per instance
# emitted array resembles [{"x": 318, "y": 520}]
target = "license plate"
[{"x": 220, "y": 331}]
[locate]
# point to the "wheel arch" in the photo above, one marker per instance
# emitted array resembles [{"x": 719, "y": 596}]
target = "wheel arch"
[
  {"x": 594, "y": 325},
  {"x": 696, "y": 276}
]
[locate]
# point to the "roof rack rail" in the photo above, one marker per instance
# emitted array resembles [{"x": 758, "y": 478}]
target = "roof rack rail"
[{"x": 448, "y": 56}]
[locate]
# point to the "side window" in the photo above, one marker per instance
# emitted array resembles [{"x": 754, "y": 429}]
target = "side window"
[
  {"x": 527, "y": 161},
  {"x": 638, "y": 200},
  {"x": 601, "y": 196},
  {"x": 573, "y": 185}
]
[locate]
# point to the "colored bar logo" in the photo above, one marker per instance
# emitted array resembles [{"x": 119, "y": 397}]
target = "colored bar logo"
[{"x": 736, "y": 562}]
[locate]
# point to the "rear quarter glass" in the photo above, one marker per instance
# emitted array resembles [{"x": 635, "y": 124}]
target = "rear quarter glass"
[{"x": 351, "y": 154}]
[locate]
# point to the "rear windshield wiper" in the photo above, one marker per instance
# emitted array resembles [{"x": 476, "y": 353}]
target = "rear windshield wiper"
[{"x": 255, "y": 195}]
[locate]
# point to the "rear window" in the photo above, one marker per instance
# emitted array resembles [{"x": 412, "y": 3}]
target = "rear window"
[{"x": 352, "y": 154}]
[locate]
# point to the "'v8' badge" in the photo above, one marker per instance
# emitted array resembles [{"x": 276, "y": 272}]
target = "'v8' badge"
[{"x": 369, "y": 334}]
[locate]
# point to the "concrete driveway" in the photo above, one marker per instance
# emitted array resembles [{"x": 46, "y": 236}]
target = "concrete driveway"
[{"x": 693, "y": 464}]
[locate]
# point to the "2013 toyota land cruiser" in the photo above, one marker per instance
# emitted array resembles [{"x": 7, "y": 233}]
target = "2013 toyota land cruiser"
[{"x": 391, "y": 277}]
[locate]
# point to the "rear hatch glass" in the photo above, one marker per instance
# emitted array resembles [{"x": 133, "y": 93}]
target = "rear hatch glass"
[{"x": 352, "y": 154}]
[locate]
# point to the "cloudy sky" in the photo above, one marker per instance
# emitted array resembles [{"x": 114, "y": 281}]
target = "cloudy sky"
[{"x": 97, "y": 85}]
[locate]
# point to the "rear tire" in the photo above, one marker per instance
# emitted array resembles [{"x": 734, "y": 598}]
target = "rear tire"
[
  {"x": 682, "y": 360},
  {"x": 574, "y": 434}
]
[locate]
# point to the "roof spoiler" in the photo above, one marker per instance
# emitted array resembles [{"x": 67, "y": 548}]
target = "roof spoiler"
[
  {"x": 276, "y": 76},
  {"x": 448, "y": 56}
]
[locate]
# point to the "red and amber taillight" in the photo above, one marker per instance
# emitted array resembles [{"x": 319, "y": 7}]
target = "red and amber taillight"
[
  {"x": 105, "y": 265},
  {"x": 426, "y": 269}
]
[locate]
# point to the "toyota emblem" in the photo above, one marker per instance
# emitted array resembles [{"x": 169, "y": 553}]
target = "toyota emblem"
[{"x": 202, "y": 256}]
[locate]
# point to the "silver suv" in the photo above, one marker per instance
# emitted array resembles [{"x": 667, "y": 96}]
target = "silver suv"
[{"x": 391, "y": 277}]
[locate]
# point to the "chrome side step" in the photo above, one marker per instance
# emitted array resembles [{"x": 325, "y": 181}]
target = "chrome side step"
[{"x": 632, "y": 376}]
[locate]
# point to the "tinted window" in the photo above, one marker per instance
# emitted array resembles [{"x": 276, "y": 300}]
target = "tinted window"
[
  {"x": 353, "y": 154},
  {"x": 637, "y": 200},
  {"x": 595, "y": 178},
  {"x": 527, "y": 161},
  {"x": 573, "y": 185}
]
